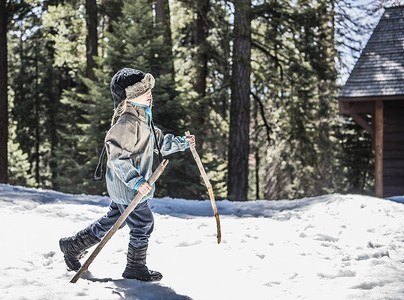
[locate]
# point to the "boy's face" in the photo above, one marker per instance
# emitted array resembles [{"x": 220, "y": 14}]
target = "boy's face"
[{"x": 144, "y": 99}]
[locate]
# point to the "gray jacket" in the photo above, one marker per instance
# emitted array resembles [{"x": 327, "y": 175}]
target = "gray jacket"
[{"x": 130, "y": 145}]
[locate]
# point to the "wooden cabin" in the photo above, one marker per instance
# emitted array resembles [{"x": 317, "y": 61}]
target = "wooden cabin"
[{"x": 376, "y": 86}]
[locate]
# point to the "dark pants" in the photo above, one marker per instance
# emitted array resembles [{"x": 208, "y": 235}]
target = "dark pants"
[{"x": 140, "y": 222}]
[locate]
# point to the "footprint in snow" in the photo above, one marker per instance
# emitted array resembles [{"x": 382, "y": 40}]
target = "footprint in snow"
[
  {"x": 262, "y": 256},
  {"x": 341, "y": 273},
  {"x": 49, "y": 254},
  {"x": 325, "y": 238},
  {"x": 374, "y": 255},
  {"x": 367, "y": 285},
  {"x": 189, "y": 244}
]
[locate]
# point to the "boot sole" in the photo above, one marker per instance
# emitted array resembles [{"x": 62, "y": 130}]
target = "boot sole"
[
  {"x": 69, "y": 266},
  {"x": 148, "y": 279}
]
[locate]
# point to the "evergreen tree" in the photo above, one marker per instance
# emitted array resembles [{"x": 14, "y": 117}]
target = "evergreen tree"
[
  {"x": 9, "y": 12},
  {"x": 208, "y": 108},
  {"x": 76, "y": 42},
  {"x": 19, "y": 166},
  {"x": 31, "y": 99},
  {"x": 133, "y": 40},
  {"x": 162, "y": 9},
  {"x": 37, "y": 80},
  {"x": 91, "y": 38},
  {"x": 61, "y": 105},
  {"x": 239, "y": 144},
  {"x": 4, "y": 16},
  {"x": 294, "y": 79},
  {"x": 357, "y": 158}
]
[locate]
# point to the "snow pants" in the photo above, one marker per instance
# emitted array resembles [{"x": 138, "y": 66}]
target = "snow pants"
[{"x": 140, "y": 222}]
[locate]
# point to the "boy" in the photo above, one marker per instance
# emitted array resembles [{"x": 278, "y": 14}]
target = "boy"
[{"x": 130, "y": 143}]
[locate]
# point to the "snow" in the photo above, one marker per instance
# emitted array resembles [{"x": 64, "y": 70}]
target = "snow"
[{"x": 328, "y": 247}]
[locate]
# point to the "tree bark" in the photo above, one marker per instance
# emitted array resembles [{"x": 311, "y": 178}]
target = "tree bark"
[
  {"x": 162, "y": 11},
  {"x": 256, "y": 150},
  {"x": 53, "y": 94},
  {"x": 37, "y": 125},
  {"x": 200, "y": 36},
  {"x": 3, "y": 93},
  {"x": 92, "y": 37},
  {"x": 239, "y": 146}
]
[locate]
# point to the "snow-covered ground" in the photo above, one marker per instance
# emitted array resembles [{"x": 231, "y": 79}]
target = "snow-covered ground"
[{"x": 328, "y": 247}]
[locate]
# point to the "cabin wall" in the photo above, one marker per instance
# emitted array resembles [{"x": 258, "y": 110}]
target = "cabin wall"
[{"x": 393, "y": 144}]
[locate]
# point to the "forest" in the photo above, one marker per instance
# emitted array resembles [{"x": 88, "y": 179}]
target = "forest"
[{"x": 256, "y": 82}]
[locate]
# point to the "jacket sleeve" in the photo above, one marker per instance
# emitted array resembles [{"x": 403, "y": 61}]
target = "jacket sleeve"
[
  {"x": 120, "y": 142},
  {"x": 169, "y": 143}
]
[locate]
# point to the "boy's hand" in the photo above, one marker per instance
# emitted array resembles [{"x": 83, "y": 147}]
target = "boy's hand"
[
  {"x": 191, "y": 140},
  {"x": 144, "y": 188}
]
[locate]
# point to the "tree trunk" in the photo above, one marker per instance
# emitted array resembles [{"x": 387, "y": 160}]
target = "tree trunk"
[
  {"x": 92, "y": 38},
  {"x": 162, "y": 11},
  {"x": 256, "y": 150},
  {"x": 200, "y": 34},
  {"x": 37, "y": 131},
  {"x": 239, "y": 147},
  {"x": 3, "y": 93},
  {"x": 53, "y": 95}
]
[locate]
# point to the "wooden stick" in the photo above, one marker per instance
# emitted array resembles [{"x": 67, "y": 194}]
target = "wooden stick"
[
  {"x": 156, "y": 174},
  {"x": 209, "y": 187}
]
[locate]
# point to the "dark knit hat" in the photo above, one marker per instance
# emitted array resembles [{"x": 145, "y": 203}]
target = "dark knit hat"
[{"x": 130, "y": 83}]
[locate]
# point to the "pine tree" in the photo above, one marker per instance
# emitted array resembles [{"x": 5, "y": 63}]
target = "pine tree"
[
  {"x": 19, "y": 166},
  {"x": 294, "y": 79},
  {"x": 208, "y": 112},
  {"x": 66, "y": 30},
  {"x": 295, "y": 134},
  {"x": 91, "y": 38},
  {"x": 134, "y": 40},
  {"x": 162, "y": 10},
  {"x": 4, "y": 17},
  {"x": 356, "y": 144},
  {"x": 30, "y": 113},
  {"x": 239, "y": 144}
]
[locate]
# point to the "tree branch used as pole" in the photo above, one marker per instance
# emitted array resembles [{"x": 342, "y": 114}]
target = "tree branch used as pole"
[
  {"x": 210, "y": 190},
  {"x": 156, "y": 174}
]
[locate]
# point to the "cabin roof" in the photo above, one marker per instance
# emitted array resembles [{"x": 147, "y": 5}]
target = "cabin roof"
[{"x": 379, "y": 72}]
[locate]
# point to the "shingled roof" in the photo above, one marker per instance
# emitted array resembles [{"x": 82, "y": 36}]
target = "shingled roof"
[{"x": 379, "y": 72}]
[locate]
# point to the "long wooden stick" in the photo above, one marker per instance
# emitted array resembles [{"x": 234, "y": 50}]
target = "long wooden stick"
[
  {"x": 156, "y": 174},
  {"x": 209, "y": 187}
]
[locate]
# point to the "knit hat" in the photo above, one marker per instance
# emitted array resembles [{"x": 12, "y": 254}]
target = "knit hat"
[{"x": 130, "y": 83}]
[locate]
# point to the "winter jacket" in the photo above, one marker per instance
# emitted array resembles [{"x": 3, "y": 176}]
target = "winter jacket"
[{"x": 130, "y": 145}]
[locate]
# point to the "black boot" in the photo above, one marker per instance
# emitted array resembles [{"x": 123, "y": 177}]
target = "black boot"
[
  {"x": 136, "y": 267},
  {"x": 73, "y": 246}
]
